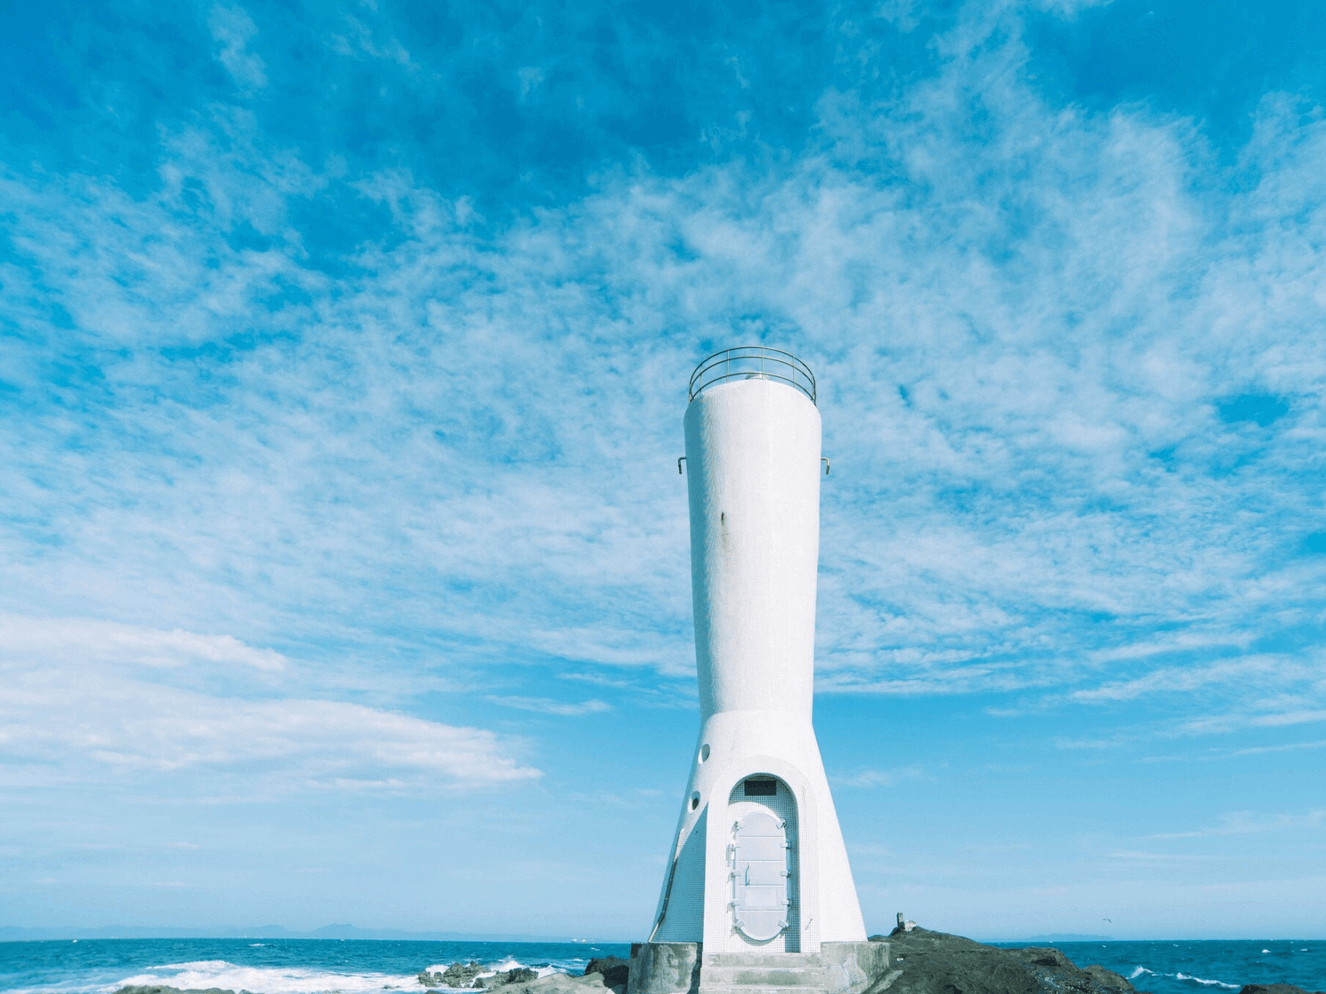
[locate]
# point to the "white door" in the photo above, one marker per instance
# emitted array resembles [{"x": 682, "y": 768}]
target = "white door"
[{"x": 760, "y": 875}]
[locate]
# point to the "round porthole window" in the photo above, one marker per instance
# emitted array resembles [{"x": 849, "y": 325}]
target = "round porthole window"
[
  {"x": 695, "y": 800},
  {"x": 704, "y": 752}
]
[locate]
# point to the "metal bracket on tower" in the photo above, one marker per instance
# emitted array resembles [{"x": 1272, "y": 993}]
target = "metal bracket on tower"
[
  {"x": 823, "y": 459},
  {"x": 679, "y": 462}
]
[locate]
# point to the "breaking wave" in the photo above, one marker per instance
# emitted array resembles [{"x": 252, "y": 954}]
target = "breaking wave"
[
  {"x": 1207, "y": 983},
  {"x": 201, "y": 974},
  {"x": 1142, "y": 971},
  {"x": 264, "y": 979}
]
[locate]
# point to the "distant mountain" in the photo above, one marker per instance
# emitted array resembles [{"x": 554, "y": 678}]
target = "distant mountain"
[{"x": 23, "y": 934}]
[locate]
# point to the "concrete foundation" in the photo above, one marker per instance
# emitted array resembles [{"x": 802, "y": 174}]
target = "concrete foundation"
[{"x": 684, "y": 968}]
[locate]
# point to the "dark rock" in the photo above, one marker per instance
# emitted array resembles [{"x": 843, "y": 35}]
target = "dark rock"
[
  {"x": 154, "y": 989},
  {"x": 1044, "y": 956},
  {"x": 1106, "y": 978},
  {"x": 615, "y": 970},
  {"x": 461, "y": 974},
  {"x": 934, "y": 962},
  {"x": 456, "y": 975},
  {"x": 560, "y": 983},
  {"x": 1262, "y": 989},
  {"x": 520, "y": 975}
]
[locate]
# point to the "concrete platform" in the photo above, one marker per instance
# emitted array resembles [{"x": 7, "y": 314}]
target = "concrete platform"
[{"x": 683, "y": 968}]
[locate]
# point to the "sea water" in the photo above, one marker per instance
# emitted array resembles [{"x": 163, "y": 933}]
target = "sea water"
[
  {"x": 1208, "y": 965},
  {"x": 357, "y": 966},
  {"x": 269, "y": 966}
]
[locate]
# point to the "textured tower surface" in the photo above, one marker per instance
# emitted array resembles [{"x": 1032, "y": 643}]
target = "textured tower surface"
[
  {"x": 753, "y": 456},
  {"x": 758, "y": 830}
]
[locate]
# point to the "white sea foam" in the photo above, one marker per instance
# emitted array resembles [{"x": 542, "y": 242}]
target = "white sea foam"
[
  {"x": 265, "y": 980},
  {"x": 1141, "y": 970},
  {"x": 1208, "y": 983}
]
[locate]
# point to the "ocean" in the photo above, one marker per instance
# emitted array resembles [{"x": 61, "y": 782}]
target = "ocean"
[
  {"x": 1208, "y": 965},
  {"x": 352, "y": 966}
]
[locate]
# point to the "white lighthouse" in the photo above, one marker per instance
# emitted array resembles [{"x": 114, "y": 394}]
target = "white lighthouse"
[{"x": 757, "y": 865}]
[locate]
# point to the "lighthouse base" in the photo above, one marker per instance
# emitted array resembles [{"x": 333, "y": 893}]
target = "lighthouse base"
[{"x": 684, "y": 968}]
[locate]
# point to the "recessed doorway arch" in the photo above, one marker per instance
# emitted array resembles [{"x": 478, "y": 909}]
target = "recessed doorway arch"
[{"x": 763, "y": 864}]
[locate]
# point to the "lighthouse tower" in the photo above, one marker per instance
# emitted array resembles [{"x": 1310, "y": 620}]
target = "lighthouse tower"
[{"x": 757, "y": 865}]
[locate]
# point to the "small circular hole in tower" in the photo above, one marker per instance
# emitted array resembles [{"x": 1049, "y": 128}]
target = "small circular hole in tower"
[
  {"x": 704, "y": 752},
  {"x": 695, "y": 800}
]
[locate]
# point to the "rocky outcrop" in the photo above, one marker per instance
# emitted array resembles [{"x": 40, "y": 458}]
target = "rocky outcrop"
[
  {"x": 925, "y": 962},
  {"x": 614, "y": 969},
  {"x": 560, "y": 983},
  {"x": 462, "y": 975},
  {"x": 608, "y": 972},
  {"x": 520, "y": 975},
  {"x": 455, "y": 975}
]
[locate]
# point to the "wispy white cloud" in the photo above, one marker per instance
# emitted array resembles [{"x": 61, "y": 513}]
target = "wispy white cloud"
[
  {"x": 1247, "y": 670},
  {"x": 79, "y": 702},
  {"x": 1068, "y": 8},
  {"x": 879, "y": 778},
  {"x": 59, "y": 736},
  {"x": 1143, "y": 856},
  {"x": 357, "y": 39},
  {"x": 1264, "y": 718},
  {"x": 1283, "y": 747},
  {"x": 1249, "y": 822},
  {"x": 79, "y": 639},
  {"x": 232, "y": 27},
  {"x": 546, "y": 705}
]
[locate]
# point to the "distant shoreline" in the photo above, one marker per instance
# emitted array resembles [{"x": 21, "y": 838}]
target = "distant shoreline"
[
  {"x": 331, "y": 932},
  {"x": 352, "y": 933}
]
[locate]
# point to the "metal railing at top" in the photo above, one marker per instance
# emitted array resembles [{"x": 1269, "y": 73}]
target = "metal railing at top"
[{"x": 750, "y": 362}]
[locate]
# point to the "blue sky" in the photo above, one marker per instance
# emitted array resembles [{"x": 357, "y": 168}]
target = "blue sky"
[{"x": 343, "y": 365}]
